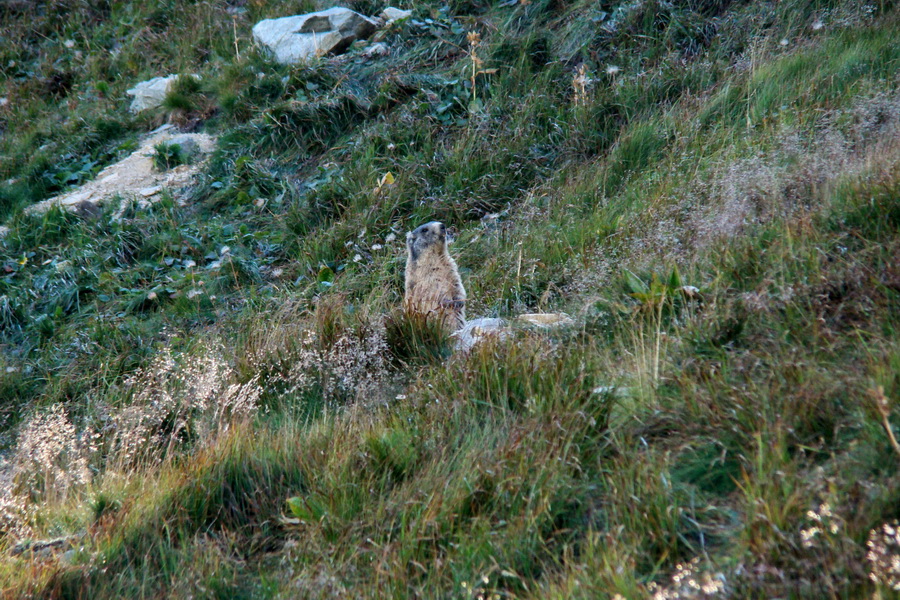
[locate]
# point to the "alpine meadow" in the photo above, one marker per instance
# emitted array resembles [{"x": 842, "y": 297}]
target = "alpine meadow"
[{"x": 677, "y": 225}]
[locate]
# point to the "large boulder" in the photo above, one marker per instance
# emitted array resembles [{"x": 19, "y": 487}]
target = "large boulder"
[{"x": 301, "y": 37}]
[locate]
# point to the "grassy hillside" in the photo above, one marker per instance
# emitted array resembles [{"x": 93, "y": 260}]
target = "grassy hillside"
[{"x": 220, "y": 399}]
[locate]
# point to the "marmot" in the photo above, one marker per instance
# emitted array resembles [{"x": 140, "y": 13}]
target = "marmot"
[{"x": 433, "y": 285}]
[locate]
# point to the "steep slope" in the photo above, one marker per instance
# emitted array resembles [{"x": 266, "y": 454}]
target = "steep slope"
[{"x": 219, "y": 399}]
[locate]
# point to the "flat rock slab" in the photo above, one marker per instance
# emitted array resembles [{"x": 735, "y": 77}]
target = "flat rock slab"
[
  {"x": 302, "y": 37},
  {"x": 478, "y": 330},
  {"x": 546, "y": 320},
  {"x": 134, "y": 177},
  {"x": 45, "y": 547}
]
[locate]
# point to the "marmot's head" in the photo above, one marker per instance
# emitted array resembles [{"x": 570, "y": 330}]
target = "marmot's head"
[{"x": 426, "y": 236}]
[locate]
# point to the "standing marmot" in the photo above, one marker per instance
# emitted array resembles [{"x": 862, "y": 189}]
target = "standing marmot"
[{"x": 433, "y": 286}]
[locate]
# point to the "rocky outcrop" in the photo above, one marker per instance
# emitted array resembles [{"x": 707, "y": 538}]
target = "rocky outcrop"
[
  {"x": 135, "y": 178},
  {"x": 302, "y": 37}
]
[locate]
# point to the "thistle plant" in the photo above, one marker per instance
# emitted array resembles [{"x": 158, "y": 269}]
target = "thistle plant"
[
  {"x": 474, "y": 39},
  {"x": 579, "y": 85}
]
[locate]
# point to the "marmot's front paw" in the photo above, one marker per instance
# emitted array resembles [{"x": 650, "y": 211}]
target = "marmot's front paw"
[{"x": 457, "y": 304}]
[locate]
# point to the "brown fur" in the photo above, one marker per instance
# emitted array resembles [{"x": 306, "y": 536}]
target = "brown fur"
[{"x": 433, "y": 285}]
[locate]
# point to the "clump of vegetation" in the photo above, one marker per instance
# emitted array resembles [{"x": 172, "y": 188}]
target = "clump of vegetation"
[
  {"x": 413, "y": 338},
  {"x": 220, "y": 397},
  {"x": 167, "y": 156}
]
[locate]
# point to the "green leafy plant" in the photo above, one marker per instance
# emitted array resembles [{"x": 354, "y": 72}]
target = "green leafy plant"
[{"x": 167, "y": 156}]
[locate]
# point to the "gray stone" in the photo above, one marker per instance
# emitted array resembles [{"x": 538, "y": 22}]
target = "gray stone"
[
  {"x": 150, "y": 191},
  {"x": 476, "y": 330},
  {"x": 547, "y": 320},
  {"x": 302, "y": 37},
  {"x": 391, "y": 14},
  {"x": 44, "y": 548},
  {"x": 190, "y": 149},
  {"x": 378, "y": 49},
  {"x": 150, "y": 93}
]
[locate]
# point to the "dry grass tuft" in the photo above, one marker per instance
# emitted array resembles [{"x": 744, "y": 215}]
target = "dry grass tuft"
[
  {"x": 51, "y": 458},
  {"x": 173, "y": 405}
]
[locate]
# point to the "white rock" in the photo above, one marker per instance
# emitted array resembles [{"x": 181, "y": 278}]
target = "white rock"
[
  {"x": 77, "y": 198},
  {"x": 162, "y": 128},
  {"x": 546, "y": 320},
  {"x": 150, "y": 93},
  {"x": 374, "y": 50},
  {"x": 301, "y": 37},
  {"x": 391, "y": 14},
  {"x": 190, "y": 149},
  {"x": 150, "y": 191},
  {"x": 476, "y": 330},
  {"x": 611, "y": 390}
]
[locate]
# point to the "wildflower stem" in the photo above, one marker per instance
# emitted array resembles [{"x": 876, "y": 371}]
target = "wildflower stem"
[
  {"x": 884, "y": 409},
  {"x": 890, "y": 433}
]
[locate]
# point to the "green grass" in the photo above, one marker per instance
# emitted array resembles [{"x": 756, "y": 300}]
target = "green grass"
[{"x": 259, "y": 420}]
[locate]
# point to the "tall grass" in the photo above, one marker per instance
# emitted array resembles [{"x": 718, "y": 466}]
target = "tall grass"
[{"x": 219, "y": 400}]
